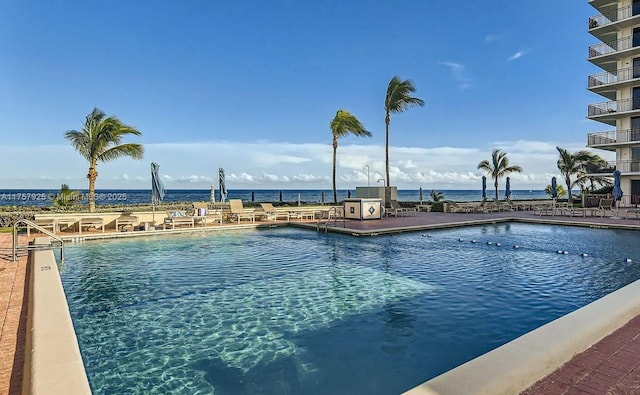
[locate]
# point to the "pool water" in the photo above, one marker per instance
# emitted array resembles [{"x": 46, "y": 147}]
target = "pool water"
[{"x": 289, "y": 311}]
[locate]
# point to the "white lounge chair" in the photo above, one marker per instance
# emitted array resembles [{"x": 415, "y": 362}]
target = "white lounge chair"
[
  {"x": 178, "y": 217},
  {"x": 238, "y": 211},
  {"x": 89, "y": 223},
  {"x": 268, "y": 212}
]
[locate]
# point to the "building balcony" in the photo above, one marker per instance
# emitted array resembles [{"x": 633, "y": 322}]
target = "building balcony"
[
  {"x": 605, "y": 26},
  {"x": 607, "y": 84},
  {"x": 612, "y": 139},
  {"x": 606, "y": 55},
  {"x": 626, "y": 167},
  {"x": 609, "y": 112},
  {"x": 601, "y": 4}
]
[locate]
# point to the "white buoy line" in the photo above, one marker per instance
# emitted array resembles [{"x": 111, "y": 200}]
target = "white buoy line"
[{"x": 517, "y": 246}]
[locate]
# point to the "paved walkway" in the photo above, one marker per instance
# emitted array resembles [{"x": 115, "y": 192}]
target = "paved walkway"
[
  {"x": 13, "y": 317},
  {"x": 612, "y": 366}
]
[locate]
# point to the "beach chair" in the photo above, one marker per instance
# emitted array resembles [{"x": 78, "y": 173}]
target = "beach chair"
[
  {"x": 203, "y": 215},
  {"x": 634, "y": 210},
  {"x": 45, "y": 223},
  {"x": 126, "y": 221},
  {"x": 89, "y": 223},
  {"x": 178, "y": 217},
  {"x": 604, "y": 206},
  {"x": 268, "y": 212},
  {"x": 238, "y": 212}
]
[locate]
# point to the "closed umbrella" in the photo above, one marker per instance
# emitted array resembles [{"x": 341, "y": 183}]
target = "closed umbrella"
[
  {"x": 221, "y": 185},
  {"x": 484, "y": 187},
  {"x": 212, "y": 195},
  {"x": 157, "y": 189},
  {"x": 421, "y": 195},
  {"x": 507, "y": 189},
  {"x": 617, "y": 190},
  {"x": 554, "y": 188}
]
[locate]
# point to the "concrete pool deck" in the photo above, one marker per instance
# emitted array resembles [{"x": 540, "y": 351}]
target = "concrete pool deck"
[{"x": 611, "y": 365}]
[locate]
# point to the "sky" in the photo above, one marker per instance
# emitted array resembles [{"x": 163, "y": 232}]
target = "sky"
[{"x": 251, "y": 86}]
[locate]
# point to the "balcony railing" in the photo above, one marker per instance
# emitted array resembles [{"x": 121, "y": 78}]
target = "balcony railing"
[
  {"x": 601, "y": 138},
  {"x": 610, "y": 17},
  {"x": 625, "y": 167},
  {"x": 614, "y": 136},
  {"x": 621, "y": 75},
  {"x": 621, "y": 44},
  {"x": 614, "y": 106}
]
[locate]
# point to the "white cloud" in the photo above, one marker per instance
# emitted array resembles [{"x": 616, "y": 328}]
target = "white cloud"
[
  {"x": 257, "y": 165},
  {"x": 458, "y": 74},
  {"x": 517, "y": 55},
  {"x": 492, "y": 37}
]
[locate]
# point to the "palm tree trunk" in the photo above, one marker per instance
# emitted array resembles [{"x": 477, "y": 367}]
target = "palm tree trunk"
[
  {"x": 335, "y": 150},
  {"x": 92, "y": 175},
  {"x": 387, "y": 120},
  {"x": 495, "y": 184},
  {"x": 568, "y": 181}
]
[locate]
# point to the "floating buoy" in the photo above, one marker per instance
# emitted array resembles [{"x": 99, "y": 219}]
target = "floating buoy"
[
  {"x": 473, "y": 241},
  {"x": 516, "y": 246},
  {"x": 629, "y": 260},
  {"x": 489, "y": 243},
  {"x": 566, "y": 252},
  {"x": 584, "y": 255},
  {"x": 424, "y": 235},
  {"x": 498, "y": 244},
  {"x": 460, "y": 239},
  {"x": 559, "y": 251}
]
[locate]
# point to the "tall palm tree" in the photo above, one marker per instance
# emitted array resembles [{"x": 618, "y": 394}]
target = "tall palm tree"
[
  {"x": 572, "y": 164},
  {"x": 343, "y": 124},
  {"x": 101, "y": 141},
  {"x": 498, "y": 167},
  {"x": 398, "y": 99}
]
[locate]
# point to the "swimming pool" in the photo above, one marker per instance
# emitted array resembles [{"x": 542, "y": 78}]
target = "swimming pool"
[{"x": 288, "y": 311}]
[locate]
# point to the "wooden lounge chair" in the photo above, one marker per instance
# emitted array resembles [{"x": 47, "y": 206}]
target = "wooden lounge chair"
[
  {"x": 89, "y": 223},
  {"x": 238, "y": 211},
  {"x": 268, "y": 212},
  {"x": 178, "y": 217}
]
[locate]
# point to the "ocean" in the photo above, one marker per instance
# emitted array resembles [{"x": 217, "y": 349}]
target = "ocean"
[{"x": 44, "y": 197}]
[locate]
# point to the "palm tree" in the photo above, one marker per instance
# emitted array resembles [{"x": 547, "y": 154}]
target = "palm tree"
[
  {"x": 100, "y": 141},
  {"x": 397, "y": 100},
  {"x": 559, "y": 190},
  {"x": 66, "y": 197},
  {"x": 572, "y": 164},
  {"x": 498, "y": 167},
  {"x": 343, "y": 124},
  {"x": 436, "y": 196}
]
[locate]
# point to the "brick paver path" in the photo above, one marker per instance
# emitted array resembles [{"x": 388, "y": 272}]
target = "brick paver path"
[
  {"x": 13, "y": 317},
  {"x": 611, "y": 366}
]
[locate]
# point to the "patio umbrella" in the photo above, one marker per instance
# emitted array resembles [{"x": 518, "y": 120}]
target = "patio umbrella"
[
  {"x": 507, "y": 190},
  {"x": 157, "y": 189},
  {"x": 221, "y": 185},
  {"x": 484, "y": 187},
  {"x": 212, "y": 194},
  {"x": 617, "y": 190},
  {"x": 421, "y": 195},
  {"x": 554, "y": 188},
  {"x": 280, "y": 197}
]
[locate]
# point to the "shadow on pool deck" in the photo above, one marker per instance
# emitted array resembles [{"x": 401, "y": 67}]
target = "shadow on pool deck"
[{"x": 611, "y": 366}]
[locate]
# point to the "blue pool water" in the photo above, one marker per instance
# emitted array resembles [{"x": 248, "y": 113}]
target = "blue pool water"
[{"x": 288, "y": 311}]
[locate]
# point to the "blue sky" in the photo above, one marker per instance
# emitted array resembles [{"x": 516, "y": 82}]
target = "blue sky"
[{"x": 252, "y": 86}]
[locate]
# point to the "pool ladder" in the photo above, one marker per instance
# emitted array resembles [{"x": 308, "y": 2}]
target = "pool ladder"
[
  {"x": 332, "y": 217},
  {"x": 15, "y": 248}
]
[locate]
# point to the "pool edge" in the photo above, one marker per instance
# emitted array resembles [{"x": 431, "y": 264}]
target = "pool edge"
[{"x": 517, "y": 365}]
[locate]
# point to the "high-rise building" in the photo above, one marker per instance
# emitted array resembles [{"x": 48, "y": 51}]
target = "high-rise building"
[{"x": 617, "y": 27}]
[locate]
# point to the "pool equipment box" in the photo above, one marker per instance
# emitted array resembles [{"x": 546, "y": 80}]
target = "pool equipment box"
[{"x": 361, "y": 208}]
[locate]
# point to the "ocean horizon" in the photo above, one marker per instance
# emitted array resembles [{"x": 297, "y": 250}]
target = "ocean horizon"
[{"x": 44, "y": 197}]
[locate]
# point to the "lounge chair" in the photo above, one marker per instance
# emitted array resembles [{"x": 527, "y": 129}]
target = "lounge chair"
[
  {"x": 397, "y": 210},
  {"x": 88, "y": 223},
  {"x": 124, "y": 221},
  {"x": 46, "y": 223},
  {"x": 634, "y": 210},
  {"x": 203, "y": 215},
  {"x": 238, "y": 211},
  {"x": 178, "y": 217},
  {"x": 268, "y": 212},
  {"x": 604, "y": 206}
]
